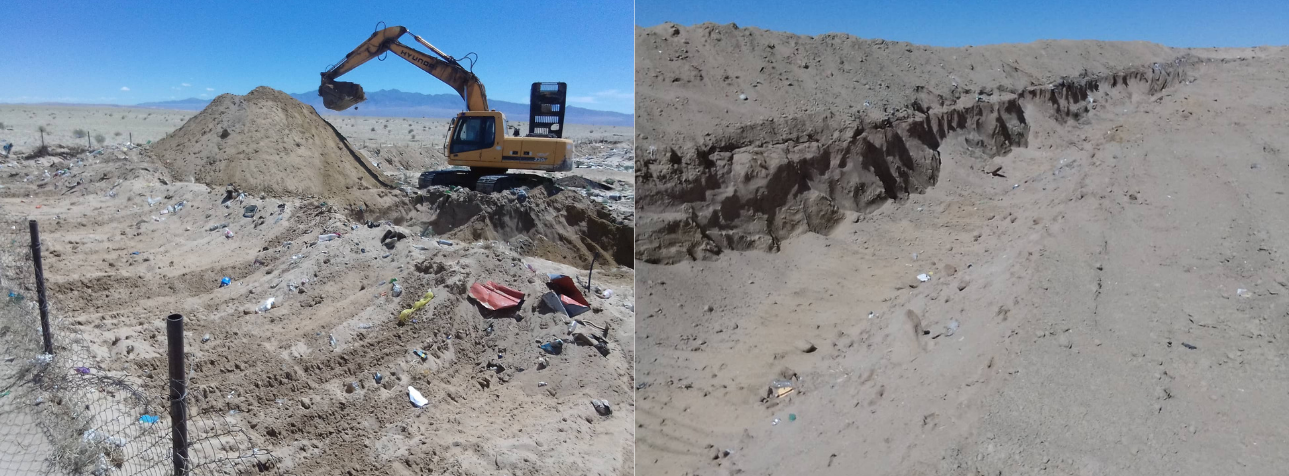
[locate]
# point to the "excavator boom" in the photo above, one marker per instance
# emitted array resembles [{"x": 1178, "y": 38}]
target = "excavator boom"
[{"x": 340, "y": 95}]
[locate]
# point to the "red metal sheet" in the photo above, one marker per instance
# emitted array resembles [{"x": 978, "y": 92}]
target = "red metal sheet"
[{"x": 495, "y": 296}]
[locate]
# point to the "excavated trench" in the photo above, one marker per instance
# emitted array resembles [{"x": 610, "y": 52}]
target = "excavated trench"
[{"x": 779, "y": 178}]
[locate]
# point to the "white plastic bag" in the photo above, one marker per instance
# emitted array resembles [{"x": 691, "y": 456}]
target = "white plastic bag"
[{"x": 417, "y": 400}]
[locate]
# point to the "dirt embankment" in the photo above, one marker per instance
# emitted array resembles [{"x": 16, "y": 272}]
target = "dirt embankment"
[
  {"x": 794, "y": 144},
  {"x": 266, "y": 142}
]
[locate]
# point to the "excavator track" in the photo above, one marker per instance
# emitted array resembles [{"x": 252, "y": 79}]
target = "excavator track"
[{"x": 483, "y": 184}]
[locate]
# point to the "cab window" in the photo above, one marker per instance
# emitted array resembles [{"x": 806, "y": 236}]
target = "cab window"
[{"x": 474, "y": 133}]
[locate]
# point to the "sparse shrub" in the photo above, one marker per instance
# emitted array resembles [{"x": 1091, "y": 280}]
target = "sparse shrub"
[
  {"x": 100, "y": 139},
  {"x": 117, "y": 134},
  {"x": 79, "y": 133},
  {"x": 373, "y": 129}
]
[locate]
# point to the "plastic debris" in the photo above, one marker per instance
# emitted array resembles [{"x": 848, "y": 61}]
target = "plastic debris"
[
  {"x": 781, "y": 388},
  {"x": 82, "y": 370},
  {"x": 249, "y": 211},
  {"x": 225, "y": 282},
  {"x": 570, "y": 300},
  {"x": 378, "y": 377},
  {"x": 952, "y": 327},
  {"x": 149, "y": 419},
  {"x": 417, "y": 400},
  {"x": 924, "y": 277},
  {"x": 228, "y": 233},
  {"x": 396, "y": 291},
  {"x": 328, "y": 237},
  {"x": 268, "y": 304},
  {"x": 553, "y": 347},
  {"x": 444, "y": 242},
  {"x": 406, "y": 316},
  {"x": 495, "y": 296},
  {"x": 420, "y": 353},
  {"x": 602, "y": 407},
  {"x": 1243, "y": 293}
]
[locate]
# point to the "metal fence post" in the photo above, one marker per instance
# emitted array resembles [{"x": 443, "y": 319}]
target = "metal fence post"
[
  {"x": 40, "y": 288},
  {"x": 594, "y": 255},
  {"x": 178, "y": 393}
]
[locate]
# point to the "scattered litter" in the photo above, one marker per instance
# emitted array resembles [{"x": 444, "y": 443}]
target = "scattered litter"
[
  {"x": 952, "y": 327},
  {"x": 792, "y": 417},
  {"x": 225, "y": 282},
  {"x": 1243, "y": 293},
  {"x": 149, "y": 418},
  {"x": 417, "y": 400},
  {"x": 420, "y": 353},
  {"x": 608, "y": 293},
  {"x": 775, "y": 422},
  {"x": 1188, "y": 346},
  {"x": 444, "y": 242},
  {"x": 396, "y": 291},
  {"x": 495, "y": 296},
  {"x": 249, "y": 211},
  {"x": 924, "y": 277},
  {"x": 570, "y": 300},
  {"x": 205, "y": 338},
  {"x": 406, "y": 316},
  {"x": 871, "y": 314},
  {"x": 228, "y": 233},
  {"x": 327, "y": 237},
  {"x": 332, "y": 338},
  {"x": 602, "y": 407},
  {"x": 268, "y": 304},
  {"x": 781, "y": 388},
  {"x": 553, "y": 347},
  {"x": 378, "y": 377},
  {"x": 82, "y": 370},
  {"x": 541, "y": 384}
]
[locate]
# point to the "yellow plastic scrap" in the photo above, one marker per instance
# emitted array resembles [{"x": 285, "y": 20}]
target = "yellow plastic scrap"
[{"x": 406, "y": 316}]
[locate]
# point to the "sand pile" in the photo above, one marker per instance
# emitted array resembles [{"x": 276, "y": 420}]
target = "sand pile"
[
  {"x": 752, "y": 136},
  {"x": 265, "y": 142}
]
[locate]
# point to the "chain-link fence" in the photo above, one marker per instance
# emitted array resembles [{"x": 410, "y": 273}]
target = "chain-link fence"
[{"x": 64, "y": 413}]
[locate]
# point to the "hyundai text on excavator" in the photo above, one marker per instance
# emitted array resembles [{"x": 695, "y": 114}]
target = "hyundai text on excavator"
[{"x": 477, "y": 136}]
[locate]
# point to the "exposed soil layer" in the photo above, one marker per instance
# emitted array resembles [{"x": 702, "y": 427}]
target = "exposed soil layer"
[{"x": 1102, "y": 287}]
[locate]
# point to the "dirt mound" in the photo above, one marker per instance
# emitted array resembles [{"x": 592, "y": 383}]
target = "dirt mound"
[
  {"x": 265, "y": 142},
  {"x": 549, "y": 223},
  {"x": 766, "y": 141}
]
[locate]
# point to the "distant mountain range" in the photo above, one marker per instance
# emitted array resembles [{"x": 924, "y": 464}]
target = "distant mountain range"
[{"x": 395, "y": 103}]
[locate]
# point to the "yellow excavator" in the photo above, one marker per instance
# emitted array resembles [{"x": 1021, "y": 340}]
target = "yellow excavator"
[{"x": 476, "y": 137}]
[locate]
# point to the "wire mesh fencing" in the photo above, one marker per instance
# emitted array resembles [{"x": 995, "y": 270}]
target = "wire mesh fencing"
[{"x": 63, "y": 412}]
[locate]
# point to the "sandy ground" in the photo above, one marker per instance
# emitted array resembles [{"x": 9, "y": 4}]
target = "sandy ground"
[
  {"x": 300, "y": 377},
  {"x": 1083, "y": 314}
]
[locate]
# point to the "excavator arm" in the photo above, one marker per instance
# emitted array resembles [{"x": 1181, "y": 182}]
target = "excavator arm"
[{"x": 340, "y": 95}]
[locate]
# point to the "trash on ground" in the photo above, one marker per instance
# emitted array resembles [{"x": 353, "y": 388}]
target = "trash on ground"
[
  {"x": 396, "y": 291},
  {"x": 328, "y": 237},
  {"x": 249, "y": 211},
  {"x": 378, "y": 377},
  {"x": 228, "y": 233},
  {"x": 570, "y": 297},
  {"x": 1188, "y": 346},
  {"x": 924, "y": 277},
  {"x": 952, "y": 327},
  {"x": 392, "y": 236},
  {"x": 417, "y": 400},
  {"x": 1243, "y": 292},
  {"x": 420, "y": 353},
  {"x": 149, "y": 418},
  {"x": 225, "y": 282},
  {"x": 553, "y": 347},
  {"x": 781, "y": 388},
  {"x": 268, "y": 304},
  {"x": 602, "y": 407},
  {"x": 495, "y": 296},
  {"x": 406, "y": 316},
  {"x": 82, "y": 370},
  {"x": 444, "y": 242}
]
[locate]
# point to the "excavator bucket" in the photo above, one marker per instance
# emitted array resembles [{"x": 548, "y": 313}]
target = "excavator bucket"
[{"x": 340, "y": 95}]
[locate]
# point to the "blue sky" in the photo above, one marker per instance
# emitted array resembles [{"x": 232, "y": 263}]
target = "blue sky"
[
  {"x": 92, "y": 52},
  {"x": 1181, "y": 23}
]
